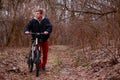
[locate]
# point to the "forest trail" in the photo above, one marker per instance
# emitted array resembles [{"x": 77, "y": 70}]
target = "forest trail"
[{"x": 64, "y": 63}]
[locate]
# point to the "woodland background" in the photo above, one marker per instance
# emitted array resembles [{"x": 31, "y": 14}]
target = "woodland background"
[
  {"x": 92, "y": 23},
  {"x": 84, "y": 44}
]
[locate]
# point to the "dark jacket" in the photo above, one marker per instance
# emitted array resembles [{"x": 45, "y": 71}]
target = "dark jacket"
[{"x": 36, "y": 26}]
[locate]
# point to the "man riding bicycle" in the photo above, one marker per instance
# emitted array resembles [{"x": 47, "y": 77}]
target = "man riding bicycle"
[{"x": 40, "y": 24}]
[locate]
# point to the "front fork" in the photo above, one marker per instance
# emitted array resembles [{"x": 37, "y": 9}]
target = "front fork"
[{"x": 34, "y": 47}]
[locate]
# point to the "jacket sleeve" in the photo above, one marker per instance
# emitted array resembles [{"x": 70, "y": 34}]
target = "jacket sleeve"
[
  {"x": 48, "y": 25},
  {"x": 28, "y": 27}
]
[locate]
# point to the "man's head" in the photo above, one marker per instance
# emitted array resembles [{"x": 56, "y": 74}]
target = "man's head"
[{"x": 38, "y": 14}]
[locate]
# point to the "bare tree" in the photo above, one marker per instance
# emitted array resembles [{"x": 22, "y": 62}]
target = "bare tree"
[{"x": 76, "y": 22}]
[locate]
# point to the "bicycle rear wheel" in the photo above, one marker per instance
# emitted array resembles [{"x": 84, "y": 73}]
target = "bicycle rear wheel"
[{"x": 30, "y": 62}]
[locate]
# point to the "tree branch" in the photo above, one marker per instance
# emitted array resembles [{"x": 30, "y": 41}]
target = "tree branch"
[{"x": 89, "y": 12}]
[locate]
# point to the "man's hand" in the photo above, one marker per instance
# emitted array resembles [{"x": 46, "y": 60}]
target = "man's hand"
[
  {"x": 45, "y": 32},
  {"x": 27, "y": 32}
]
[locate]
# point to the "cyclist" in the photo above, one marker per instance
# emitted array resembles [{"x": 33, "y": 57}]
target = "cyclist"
[{"x": 40, "y": 24}]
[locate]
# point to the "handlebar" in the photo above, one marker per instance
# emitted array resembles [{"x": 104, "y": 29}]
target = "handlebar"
[{"x": 37, "y": 33}]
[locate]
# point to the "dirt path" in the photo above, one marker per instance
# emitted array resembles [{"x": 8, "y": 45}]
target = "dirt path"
[
  {"x": 59, "y": 67},
  {"x": 62, "y": 65}
]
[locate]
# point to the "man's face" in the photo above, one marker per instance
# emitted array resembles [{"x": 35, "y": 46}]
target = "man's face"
[{"x": 38, "y": 15}]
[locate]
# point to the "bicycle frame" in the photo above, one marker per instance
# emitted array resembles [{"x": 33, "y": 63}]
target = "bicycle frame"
[
  {"x": 35, "y": 53},
  {"x": 35, "y": 43},
  {"x": 34, "y": 46}
]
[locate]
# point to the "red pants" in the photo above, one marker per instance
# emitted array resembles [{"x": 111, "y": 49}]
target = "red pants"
[{"x": 44, "y": 53}]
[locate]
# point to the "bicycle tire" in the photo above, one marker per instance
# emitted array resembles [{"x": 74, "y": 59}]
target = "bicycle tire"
[
  {"x": 37, "y": 62},
  {"x": 30, "y": 62}
]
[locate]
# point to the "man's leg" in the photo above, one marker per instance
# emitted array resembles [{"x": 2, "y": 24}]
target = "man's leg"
[
  {"x": 45, "y": 54},
  {"x": 41, "y": 51}
]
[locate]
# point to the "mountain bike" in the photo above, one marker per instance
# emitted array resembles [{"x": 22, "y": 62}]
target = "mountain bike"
[{"x": 35, "y": 53}]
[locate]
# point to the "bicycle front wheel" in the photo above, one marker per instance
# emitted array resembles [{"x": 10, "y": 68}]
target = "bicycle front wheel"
[{"x": 37, "y": 63}]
